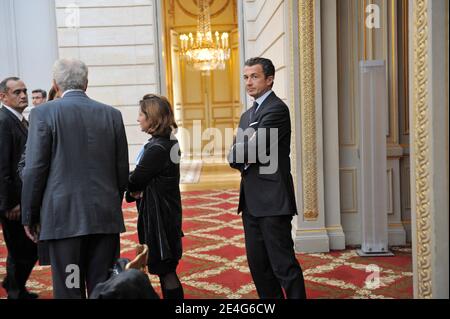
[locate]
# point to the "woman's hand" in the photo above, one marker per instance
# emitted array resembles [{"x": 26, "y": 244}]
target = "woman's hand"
[{"x": 14, "y": 214}]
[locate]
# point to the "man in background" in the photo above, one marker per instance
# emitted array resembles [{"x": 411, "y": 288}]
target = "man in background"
[
  {"x": 22, "y": 252},
  {"x": 38, "y": 97}
]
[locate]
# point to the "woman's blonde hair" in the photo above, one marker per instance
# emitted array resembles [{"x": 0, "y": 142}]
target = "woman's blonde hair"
[{"x": 158, "y": 111}]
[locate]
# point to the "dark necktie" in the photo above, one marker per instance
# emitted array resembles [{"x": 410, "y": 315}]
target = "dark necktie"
[
  {"x": 253, "y": 111},
  {"x": 25, "y": 123}
]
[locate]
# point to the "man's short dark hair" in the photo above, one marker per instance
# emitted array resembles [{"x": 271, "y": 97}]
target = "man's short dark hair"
[
  {"x": 267, "y": 65},
  {"x": 4, "y": 83},
  {"x": 43, "y": 92}
]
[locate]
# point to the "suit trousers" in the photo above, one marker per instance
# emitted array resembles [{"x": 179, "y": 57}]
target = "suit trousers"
[
  {"x": 22, "y": 256},
  {"x": 271, "y": 257},
  {"x": 80, "y": 263}
]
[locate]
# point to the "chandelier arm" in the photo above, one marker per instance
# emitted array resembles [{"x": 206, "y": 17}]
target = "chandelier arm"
[{"x": 201, "y": 51}]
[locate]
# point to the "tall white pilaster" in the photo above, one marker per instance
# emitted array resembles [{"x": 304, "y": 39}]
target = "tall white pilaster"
[
  {"x": 311, "y": 234},
  {"x": 331, "y": 126}
]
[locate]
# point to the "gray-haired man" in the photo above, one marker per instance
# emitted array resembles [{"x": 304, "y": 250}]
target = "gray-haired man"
[{"x": 75, "y": 174}]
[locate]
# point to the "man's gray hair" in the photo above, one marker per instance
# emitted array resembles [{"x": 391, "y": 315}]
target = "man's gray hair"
[{"x": 70, "y": 74}]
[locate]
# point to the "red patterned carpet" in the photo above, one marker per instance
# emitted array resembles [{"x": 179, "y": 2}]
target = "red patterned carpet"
[{"x": 214, "y": 263}]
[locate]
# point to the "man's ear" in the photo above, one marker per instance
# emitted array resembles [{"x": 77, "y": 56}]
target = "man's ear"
[{"x": 85, "y": 88}]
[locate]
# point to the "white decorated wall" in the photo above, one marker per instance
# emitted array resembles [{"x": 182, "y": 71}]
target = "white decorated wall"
[
  {"x": 265, "y": 27},
  {"x": 116, "y": 39}
]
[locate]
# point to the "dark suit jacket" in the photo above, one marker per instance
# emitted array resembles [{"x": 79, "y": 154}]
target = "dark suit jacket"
[
  {"x": 76, "y": 168},
  {"x": 264, "y": 194},
  {"x": 13, "y": 136},
  {"x": 160, "y": 210}
]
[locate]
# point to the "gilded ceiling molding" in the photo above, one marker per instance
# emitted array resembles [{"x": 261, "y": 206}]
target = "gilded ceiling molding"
[
  {"x": 195, "y": 14},
  {"x": 308, "y": 108},
  {"x": 421, "y": 119}
]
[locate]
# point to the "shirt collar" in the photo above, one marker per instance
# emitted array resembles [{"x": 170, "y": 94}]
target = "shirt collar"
[
  {"x": 262, "y": 98},
  {"x": 13, "y": 111},
  {"x": 65, "y": 92}
]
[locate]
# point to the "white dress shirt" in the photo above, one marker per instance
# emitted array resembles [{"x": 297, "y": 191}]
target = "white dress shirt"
[
  {"x": 65, "y": 92},
  {"x": 261, "y": 99}
]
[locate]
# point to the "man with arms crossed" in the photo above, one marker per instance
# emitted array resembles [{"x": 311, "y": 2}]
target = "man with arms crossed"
[{"x": 267, "y": 199}]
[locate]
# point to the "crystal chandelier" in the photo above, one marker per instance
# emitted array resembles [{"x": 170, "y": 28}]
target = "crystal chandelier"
[{"x": 205, "y": 52}]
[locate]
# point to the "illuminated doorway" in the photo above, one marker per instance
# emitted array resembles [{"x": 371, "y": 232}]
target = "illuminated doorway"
[{"x": 207, "y": 105}]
